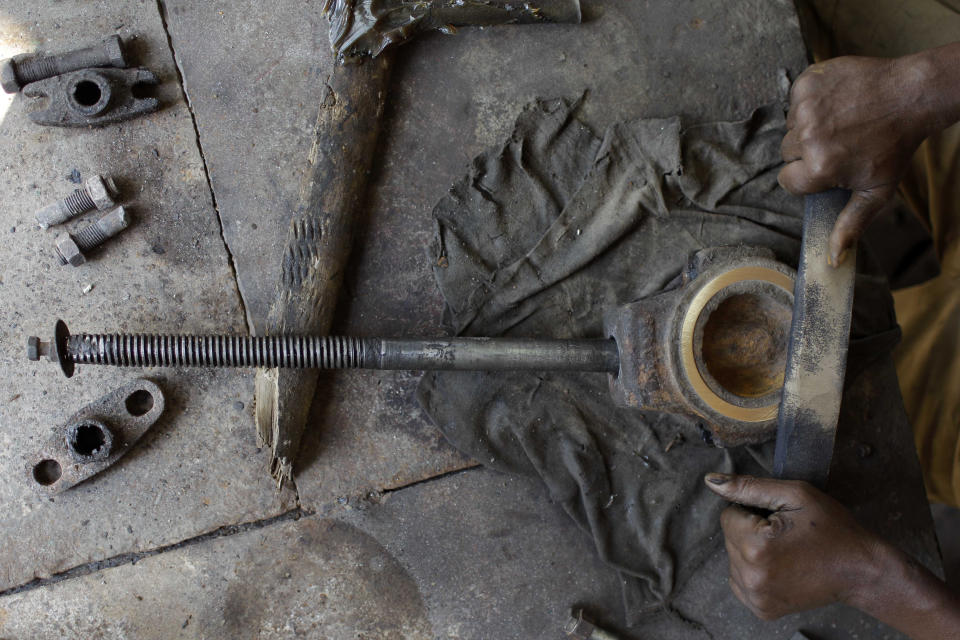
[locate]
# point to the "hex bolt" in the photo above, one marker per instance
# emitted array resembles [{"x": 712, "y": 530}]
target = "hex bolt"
[
  {"x": 72, "y": 247},
  {"x": 19, "y": 71},
  {"x": 96, "y": 193}
]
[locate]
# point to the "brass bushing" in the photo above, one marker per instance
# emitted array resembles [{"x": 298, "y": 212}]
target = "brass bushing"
[{"x": 714, "y": 348}]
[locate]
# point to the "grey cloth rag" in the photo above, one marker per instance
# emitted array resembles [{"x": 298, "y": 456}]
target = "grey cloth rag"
[{"x": 540, "y": 238}]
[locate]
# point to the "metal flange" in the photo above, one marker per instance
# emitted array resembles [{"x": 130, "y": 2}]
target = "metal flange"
[{"x": 96, "y": 436}]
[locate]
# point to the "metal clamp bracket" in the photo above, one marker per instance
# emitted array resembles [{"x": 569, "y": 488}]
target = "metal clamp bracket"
[
  {"x": 96, "y": 436},
  {"x": 93, "y": 97}
]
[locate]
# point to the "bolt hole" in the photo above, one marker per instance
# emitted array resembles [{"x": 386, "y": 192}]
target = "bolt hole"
[
  {"x": 46, "y": 472},
  {"x": 86, "y": 93},
  {"x": 139, "y": 402},
  {"x": 88, "y": 439},
  {"x": 142, "y": 90}
]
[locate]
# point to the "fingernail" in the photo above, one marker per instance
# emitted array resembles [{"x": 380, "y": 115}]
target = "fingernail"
[
  {"x": 718, "y": 478},
  {"x": 837, "y": 260}
]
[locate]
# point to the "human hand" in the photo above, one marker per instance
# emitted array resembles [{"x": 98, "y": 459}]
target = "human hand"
[
  {"x": 808, "y": 553},
  {"x": 855, "y": 123}
]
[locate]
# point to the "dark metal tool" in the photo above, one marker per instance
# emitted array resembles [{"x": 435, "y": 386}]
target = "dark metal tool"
[
  {"x": 19, "y": 71},
  {"x": 93, "y": 97},
  {"x": 713, "y": 347},
  {"x": 96, "y": 436},
  {"x": 817, "y": 357}
]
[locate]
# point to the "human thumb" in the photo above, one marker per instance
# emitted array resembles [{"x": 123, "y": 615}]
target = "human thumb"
[
  {"x": 863, "y": 207},
  {"x": 765, "y": 493}
]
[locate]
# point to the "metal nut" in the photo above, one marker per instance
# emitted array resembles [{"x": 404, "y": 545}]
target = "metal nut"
[
  {"x": 8, "y": 77},
  {"x": 113, "y": 47},
  {"x": 101, "y": 191},
  {"x": 69, "y": 251},
  {"x": 33, "y": 348}
]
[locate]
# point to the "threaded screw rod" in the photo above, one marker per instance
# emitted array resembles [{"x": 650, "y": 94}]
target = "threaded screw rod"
[
  {"x": 16, "y": 73},
  {"x": 325, "y": 352}
]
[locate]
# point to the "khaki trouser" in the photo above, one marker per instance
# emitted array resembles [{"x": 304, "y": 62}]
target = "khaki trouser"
[{"x": 928, "y": 359}]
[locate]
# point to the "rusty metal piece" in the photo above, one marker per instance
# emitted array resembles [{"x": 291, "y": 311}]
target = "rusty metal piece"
[
  {"x": 96, "y": 436},
  {"x": 93, "y": 97},
  {"x": 72, "y": 248},
  {"x": 97, "y": 193},
  {"x": 714, "y": 348},
  {"x": 19, "y": 71}
]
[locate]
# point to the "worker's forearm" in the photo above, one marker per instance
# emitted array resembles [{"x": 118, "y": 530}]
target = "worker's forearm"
[
  {"x": 937, "y": 72},
  {"x": 899, "y": 592}
]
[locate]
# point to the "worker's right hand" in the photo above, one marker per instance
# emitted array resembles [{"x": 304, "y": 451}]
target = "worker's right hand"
[
  {"x": 854, "y": 123},
  {"x": 807, "y": 552}
]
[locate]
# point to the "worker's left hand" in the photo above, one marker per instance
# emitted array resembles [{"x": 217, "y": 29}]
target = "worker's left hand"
[{"x": 807, "y": 553}]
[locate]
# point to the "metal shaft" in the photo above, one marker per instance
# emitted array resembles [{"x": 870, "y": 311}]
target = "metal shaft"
[
  {"x": 327, "y": 352},
  {"x": 18, "y": 72}
]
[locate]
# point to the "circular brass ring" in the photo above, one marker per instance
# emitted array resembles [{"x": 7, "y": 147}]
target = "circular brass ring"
[{"x": 692, "y": 371}]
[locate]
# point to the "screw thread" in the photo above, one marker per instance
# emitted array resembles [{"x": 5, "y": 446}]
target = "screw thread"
[
  {"x": 311, "y": 352},
  {"x": 33, "y": 69},
  {"x": 79, "y": 202},
  {"x": 90, "y": 237}
]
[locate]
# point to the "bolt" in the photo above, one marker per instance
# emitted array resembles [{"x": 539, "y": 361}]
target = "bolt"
[
  {"x": 19, "y": 71},
  {"x": 71, "y": 248},
  {"x": 96, "y": 193}
]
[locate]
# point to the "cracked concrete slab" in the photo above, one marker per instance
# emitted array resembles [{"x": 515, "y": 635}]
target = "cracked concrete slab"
[
  {"x": 198, "y": 468},
  {"x": 309, "y": 578}
]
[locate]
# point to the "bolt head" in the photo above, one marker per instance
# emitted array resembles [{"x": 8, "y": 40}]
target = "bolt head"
[
  {"x": 8, "y": 77},
  {"x": 114, "y": 48},
  {"x": 100, "y": 192},
  {"x": 33, "y": 348},
  {"x": 69, "y": 251}
]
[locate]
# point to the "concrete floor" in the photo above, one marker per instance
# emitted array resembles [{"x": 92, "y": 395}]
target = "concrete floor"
[{"x": 388, "y": 532}]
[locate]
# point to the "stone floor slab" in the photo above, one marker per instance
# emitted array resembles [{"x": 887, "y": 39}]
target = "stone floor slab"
[{"x": 198, "y": 469}]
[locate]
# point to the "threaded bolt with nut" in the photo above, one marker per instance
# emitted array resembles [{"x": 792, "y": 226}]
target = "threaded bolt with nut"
[
  {"x": 19, "y": 71},
  {"x": 96, "y": 193},
  {"x": 71, "y": 248}
]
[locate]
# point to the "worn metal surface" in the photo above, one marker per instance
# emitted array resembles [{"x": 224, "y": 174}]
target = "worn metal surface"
[
  {"x": 713, "y": 347},
  {"x": 96, "y": 436},
  {"x": 197, "y": 469},
  {"x": 72, "y": 248},
  {"x": 819, "y": 338},
  {"x": 22, "y": 70},
  {"x": 325, "y": 352},
  {"x": 92, "y": 97},
  {"x": 96, "y": 193}
]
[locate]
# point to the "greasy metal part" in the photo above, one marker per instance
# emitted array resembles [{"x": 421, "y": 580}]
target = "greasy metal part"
[
  {"x": 327, "y": 352},
  {"x": 715, "y": 347},
  {"x": 96, "y": 193},
  {"x": 19, "y": 71},
  {"x": 580, "y": 629},
  {"x": 360, "y": 28},
  {"x": 819, "y": 339},
  {"x": 93, "y": 97},
  {"x": 72, "y": 248},
  {"x": 96, "y": 436}
]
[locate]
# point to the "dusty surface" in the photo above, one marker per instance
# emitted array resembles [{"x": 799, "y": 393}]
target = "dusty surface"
[
  {"x": 471, "y": 555},
  {"x": 197, "y": 469}
]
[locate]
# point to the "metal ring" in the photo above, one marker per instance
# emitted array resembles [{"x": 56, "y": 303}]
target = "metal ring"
[{"x": 690, "y": 368}]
